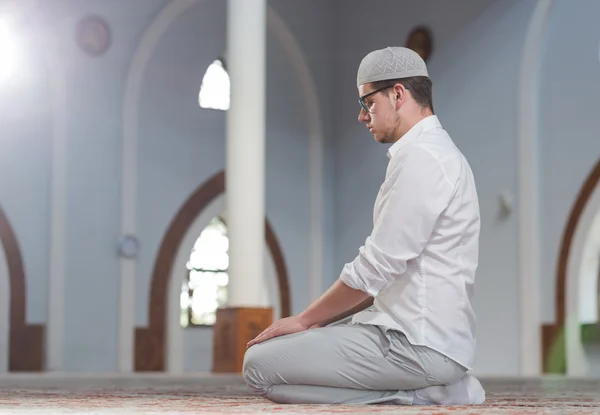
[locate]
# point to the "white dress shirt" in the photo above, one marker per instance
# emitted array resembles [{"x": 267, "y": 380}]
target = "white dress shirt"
[{"x": 420, "y": 260}]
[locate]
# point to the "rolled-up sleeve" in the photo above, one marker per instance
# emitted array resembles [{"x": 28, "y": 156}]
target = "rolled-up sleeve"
[{"x": 413, "y": 196}]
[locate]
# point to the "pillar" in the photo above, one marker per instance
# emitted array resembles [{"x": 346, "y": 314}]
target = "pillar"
[
  {"x": 243, "y": 319},
  {"x": 245, "y": 171}
]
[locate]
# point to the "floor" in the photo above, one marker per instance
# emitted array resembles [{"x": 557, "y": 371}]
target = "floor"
[{"x": 43, "y": 394}]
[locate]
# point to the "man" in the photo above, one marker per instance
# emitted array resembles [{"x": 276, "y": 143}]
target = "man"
[{"x": 412, "y": 339}]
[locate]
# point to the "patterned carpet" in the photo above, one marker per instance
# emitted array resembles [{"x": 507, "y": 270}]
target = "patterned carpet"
[{"x": 204, "y": 394}]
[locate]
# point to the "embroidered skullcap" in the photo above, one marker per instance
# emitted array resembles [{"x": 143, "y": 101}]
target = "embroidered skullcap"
[{"x": 390, "y": 63}]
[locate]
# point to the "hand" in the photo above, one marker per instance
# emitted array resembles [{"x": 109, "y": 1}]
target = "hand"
[{"x": 281, "y": 327}]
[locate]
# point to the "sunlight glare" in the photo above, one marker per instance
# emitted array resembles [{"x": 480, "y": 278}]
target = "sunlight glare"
[{"x": 8, "y": 49}]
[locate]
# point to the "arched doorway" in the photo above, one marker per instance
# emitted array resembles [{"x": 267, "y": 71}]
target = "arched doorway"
[
  {"x": 26, "y": 341},
  {"x": 553, "y": 335},
  {"x": 150, "y": 342}
]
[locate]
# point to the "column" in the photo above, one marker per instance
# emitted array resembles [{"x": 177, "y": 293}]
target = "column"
[
  {"x": 244, "y": 318},
  {"x": 245, "y": 170}
]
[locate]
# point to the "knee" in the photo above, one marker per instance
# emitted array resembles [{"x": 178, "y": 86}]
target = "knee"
[
  {"x": 253, "y": 370},
  {"x": 448, "y": 373}
]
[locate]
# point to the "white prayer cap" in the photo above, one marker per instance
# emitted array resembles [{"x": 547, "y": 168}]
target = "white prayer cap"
[{"x": 390, "y": 63}]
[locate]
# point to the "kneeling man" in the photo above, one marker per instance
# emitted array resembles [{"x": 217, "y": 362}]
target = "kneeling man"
[{"x": 411, "y": 339}]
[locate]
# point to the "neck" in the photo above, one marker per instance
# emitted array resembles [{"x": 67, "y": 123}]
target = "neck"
[{"x": 410, "y": 121}]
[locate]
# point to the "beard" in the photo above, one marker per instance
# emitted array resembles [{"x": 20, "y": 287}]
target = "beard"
[
  {"x": 386, "y": 139},
  {"x": 390, "y": 135}
]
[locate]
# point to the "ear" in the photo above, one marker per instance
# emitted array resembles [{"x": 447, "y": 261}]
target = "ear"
[
  {"x": 399, "y": 91},
  {"x": 398, "y": 95}
]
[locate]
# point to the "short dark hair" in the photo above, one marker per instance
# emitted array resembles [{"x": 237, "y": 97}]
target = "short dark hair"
[{"x": 419, "y": 87}]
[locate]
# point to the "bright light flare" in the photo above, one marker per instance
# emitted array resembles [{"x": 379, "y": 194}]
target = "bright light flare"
[
  {"x": 8, "y": 49},
  {"x": 215, "y": 88}
]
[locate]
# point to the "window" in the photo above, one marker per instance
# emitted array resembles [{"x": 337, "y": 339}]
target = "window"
[
  {"x": 215, "y": 88},
  {"x": 205, "y": 288}
]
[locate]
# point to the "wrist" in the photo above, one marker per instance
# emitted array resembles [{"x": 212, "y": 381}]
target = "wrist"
[{"x": 306, "y": 320}]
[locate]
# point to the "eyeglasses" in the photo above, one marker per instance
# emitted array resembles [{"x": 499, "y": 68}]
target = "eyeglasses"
[{"x": 361, "y": 100}]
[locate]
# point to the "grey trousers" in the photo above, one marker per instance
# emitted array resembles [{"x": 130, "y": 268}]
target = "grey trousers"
[{"x": 345, "y": 364}]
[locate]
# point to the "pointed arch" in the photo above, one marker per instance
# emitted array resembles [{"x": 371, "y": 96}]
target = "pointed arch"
[
  {"x": 553, "y": 335},
  {"x": 150, "y": 342},
  {"x": 26, "y": 342}
]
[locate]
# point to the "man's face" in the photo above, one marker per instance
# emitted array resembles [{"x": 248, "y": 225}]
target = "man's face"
[{"x": 378, "y": 112}]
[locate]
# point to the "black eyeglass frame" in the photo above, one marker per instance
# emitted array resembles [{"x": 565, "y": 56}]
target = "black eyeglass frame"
[{"x": 361, "y": 99}]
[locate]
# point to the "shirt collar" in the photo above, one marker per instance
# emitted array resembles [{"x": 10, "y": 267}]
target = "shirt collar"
[{"x": 426, "y": 124}]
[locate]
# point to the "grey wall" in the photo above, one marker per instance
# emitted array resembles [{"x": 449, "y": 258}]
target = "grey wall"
[
  {"x": 475, "y": 71},
  {"x": 570, "y": 85},
  {"x": 93, "y": 96},
  {"x": 313, "y": 25},
  {"x": 569, "y": 90},
  {"x": 94, "y": 153},
  {"x": 179, "y": 147},
  {"x": 25, "y": 165}
]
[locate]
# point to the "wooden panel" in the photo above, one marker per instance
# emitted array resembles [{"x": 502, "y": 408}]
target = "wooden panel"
[
  {"x": 149, "y": 351},
  {"x": 27, "y": 348},
  {"x": 27, "y": 343},
  {"x": 548, "y": 337},
  {"x": 234, "y": 328}
]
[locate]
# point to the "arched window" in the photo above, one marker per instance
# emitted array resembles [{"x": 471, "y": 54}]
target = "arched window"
[
  {"x": 215, "y": 88},
  {"x": 205, "y": 288}
]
